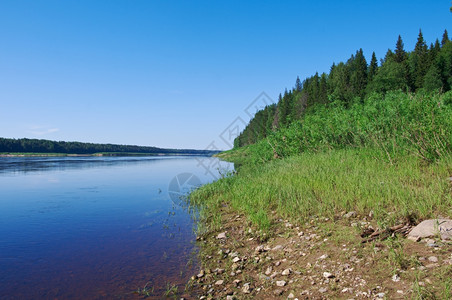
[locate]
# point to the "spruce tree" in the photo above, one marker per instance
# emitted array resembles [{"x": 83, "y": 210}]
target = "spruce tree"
[
  {"x": 358, "y": 78},
  {"x": 298, "y": 84},
  {"x": 373, "y": 67},
  {"x": 420, "y": 61},
  {"x": 445, "y": 38},
  {"x": 400, "y": 54}
]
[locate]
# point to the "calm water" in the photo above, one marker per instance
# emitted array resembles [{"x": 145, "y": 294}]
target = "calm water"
[{"x": 95, "y": 227}]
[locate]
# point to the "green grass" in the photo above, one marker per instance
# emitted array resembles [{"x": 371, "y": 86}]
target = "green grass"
[{"x": 328, "y": 183}]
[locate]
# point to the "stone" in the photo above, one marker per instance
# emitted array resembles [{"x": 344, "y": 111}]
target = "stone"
[
  {"x": 246, "y": 288},
  {"x": 221, "y": 235},
  {"x": 200, "y": 274},
  {"x": 433, "y": 259},
  {"x": 236, "y": 282},
  {"x": 260, "y": 249},
  {"x": 433, "y": 227},
  {"x": 286, "y": 272},
  {"x": 236, "y": 259},
  {"x": 291, "y": 296},
  {"x": 280, "y": 283},
  {"x": 323, "y": 256},
  {"x": 219, "y": 282},
  {"x": 269, "y": 270},
  {"x": 328, "y": 275},
  {"x": 277, "y": 292},
  {"x": 380, "y": 295},
  {"x": 230, "y": 297},
  {"x": 414, "y": 238},
  {"x": 323, "y": 290},
  {"x": 277, "y": 247},
  {"x": 396, "y": 278},
  {"x": 350, "y": 214}
]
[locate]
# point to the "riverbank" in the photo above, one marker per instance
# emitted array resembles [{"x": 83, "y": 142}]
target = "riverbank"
[{"x": 299, "y": 228}]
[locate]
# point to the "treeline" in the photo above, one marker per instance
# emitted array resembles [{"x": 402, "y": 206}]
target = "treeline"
[
  {"x": 47, "y": 146},
  {"x": 426, "y": 68}
]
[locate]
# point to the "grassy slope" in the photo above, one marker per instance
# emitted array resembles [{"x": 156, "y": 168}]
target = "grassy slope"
[
  {"x": 389, "y": 161},
  {"x": 390, "y": 155},
  {"x": 328, "y": 183}
]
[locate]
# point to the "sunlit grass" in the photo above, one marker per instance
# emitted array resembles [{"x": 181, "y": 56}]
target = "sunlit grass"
[{"x": 326, "y": 184}]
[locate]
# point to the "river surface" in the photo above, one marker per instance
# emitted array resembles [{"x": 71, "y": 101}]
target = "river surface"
[{"x": 97, "y": 227}]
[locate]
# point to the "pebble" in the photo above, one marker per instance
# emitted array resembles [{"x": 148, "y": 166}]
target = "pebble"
[
  {"x": 277, "y": 247},
  {"x": 350, "y": 214},
  {"x": 236, "y": 259},
  {"x": 277, "y": 292},
  {"x": 286, "y": 272},
  {"x": 433, "y": 259},
  {"x": 280, "y": 283},
  {"x": 396, "y": 278},
  {"x": 323, "y": 290},
  {"x": 219, "y": 282},
  {"x": 246, "y": 288},
  {"x": 221, "y": 235},
  {"x": 324, "y": 256},
  {"x": 291, "y": 296},
  {"x": 380, "y": 295},
  {"x": 201, "y": 274},
  {"x": 268, "y": 271},
  {"x": 328, "y": 275}
]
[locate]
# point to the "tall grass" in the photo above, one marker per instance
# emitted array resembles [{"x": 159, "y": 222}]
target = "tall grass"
[
  {"x": 328, "y": 183},
  {"x": 389, "y": 154},
  {"x": 397, "y": 123}
]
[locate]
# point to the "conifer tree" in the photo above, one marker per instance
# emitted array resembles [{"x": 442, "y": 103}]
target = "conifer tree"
[
  {"x": 400, "y": 54},
  {"x": 445, "y": 38},
  {"x": 420, "y": 61},
  {"x": 298, "y": 84},
  {"x": 358, "y": 78},
  {"x": 373, "y": 67}
]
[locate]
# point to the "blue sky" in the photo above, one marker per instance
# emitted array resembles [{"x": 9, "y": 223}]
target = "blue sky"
[{"x": 178, "y": 73}]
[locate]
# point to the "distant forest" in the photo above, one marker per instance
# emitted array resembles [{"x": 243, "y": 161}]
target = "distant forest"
[
  {"x": 425, "y": 69},
  {"x": 46, "y": 146}
]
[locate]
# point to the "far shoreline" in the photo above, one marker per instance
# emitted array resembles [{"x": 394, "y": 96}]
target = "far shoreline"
[{"x": 113, "y": 154}]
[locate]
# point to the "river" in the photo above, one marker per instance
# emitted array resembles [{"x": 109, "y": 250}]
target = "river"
[{"x": 97, "y": 227}]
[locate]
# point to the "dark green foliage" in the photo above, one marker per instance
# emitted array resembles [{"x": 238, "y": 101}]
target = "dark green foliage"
[
  {"x": 298, "y": 85},
  {"x": 445, "y": 38},
  {"x": 373, "y": 68},
  {"x": 348, "y": 83},
  {"x": 419, "y": 62},
  {"x": 400, "y": 54},
  {"x": 46, "y": 146},
  {"x": 358, "y": 79}
]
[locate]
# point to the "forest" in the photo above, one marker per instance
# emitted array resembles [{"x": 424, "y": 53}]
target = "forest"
[
  {"x": 426, "y": 69},
  {"x": 46, "y": 146}
]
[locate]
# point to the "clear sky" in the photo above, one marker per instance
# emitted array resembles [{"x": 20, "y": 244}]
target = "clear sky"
[{"x": 178, "y": 73}]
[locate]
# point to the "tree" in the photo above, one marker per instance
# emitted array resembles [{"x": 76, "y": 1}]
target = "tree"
[
  {"x": 445, "y": 38},
  {"x": 419, "y": 62},
  {"x": 400, "y": 54},
  {"x": 358, "y": 77},
  {"x": 373, "y": 67},
  {"x": 298, "y": 84},
  {"x": 432, "y": 80}
]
